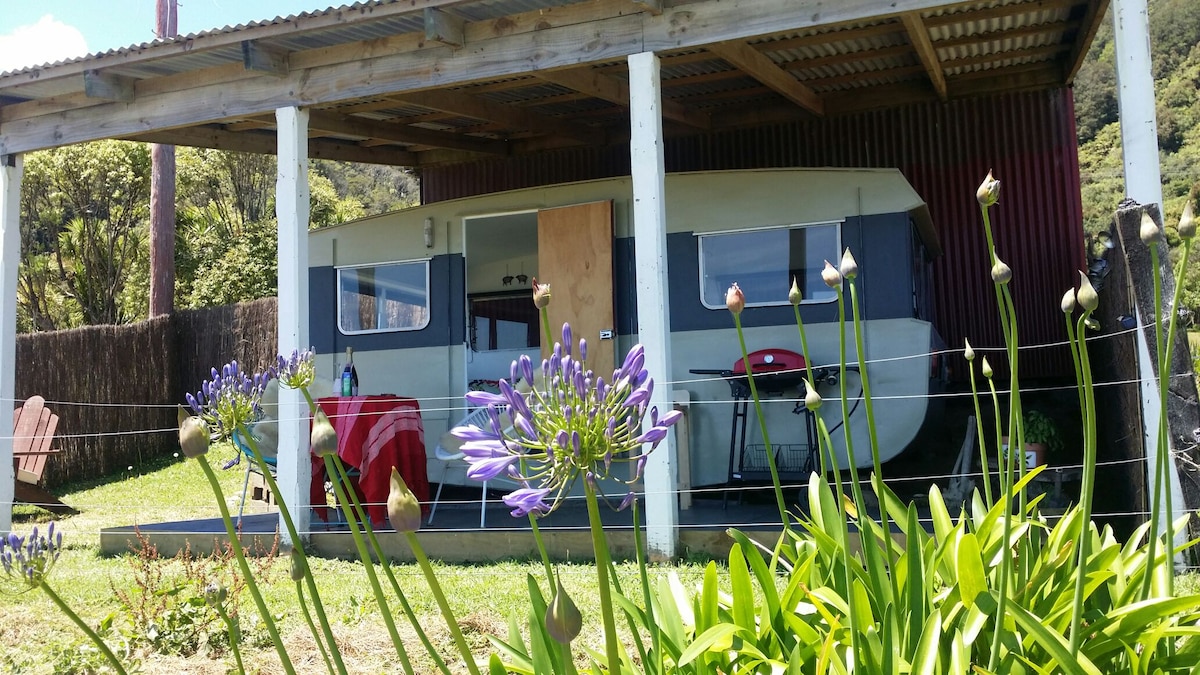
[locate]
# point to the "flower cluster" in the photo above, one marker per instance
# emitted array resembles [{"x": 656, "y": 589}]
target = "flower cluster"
[
  {"x": 298, "y": 370},
  {"x": 572, "y": 423},
  {"x": 230, "y": 398},
  {"x": 28, "y": 560}
]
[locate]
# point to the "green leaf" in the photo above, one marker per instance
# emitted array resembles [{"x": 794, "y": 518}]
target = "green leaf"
[
  {"x": 743, "y": 593},
  {"x": 972, "y": 580},
  {"x": 495, "y": 666},
  {"x": 717, "y": 635},
  {"x": 1053, "y": 643},
  {"x": 927, "y": 658}
]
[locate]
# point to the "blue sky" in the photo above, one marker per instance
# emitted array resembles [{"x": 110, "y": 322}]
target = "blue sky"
[{"x": 33, "y": 32}]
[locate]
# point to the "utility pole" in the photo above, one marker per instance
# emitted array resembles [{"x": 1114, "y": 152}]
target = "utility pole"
[{"x": 162, "y": 192}]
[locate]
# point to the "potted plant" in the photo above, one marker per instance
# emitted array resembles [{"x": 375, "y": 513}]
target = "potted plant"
[{"x": 1042, "y": 440}]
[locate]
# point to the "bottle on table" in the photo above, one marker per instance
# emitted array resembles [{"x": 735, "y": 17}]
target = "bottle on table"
[{"x": 349, "y": 378}]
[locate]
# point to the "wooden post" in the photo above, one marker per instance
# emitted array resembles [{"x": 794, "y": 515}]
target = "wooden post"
[
  {"x": 291, "y": 209},
  {"x": 10, "y": 256},
  {"x": 650, "y": 262},
  {"x": 1183, "y": 415},
  {"x": 162, "y": 194}
]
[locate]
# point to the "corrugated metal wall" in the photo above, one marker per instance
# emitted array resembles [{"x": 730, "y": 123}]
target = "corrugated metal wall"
[{"x": 945, "y": 150}]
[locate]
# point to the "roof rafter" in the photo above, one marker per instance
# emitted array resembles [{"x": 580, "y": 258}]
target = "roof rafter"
[
  {"x": 479, "y": 108},
  {"x": 609, "y": 88},
  {"x": 762, "y": 68},
  {"x": 918, "y": 36},
  {"x": 264, "y": 142},
  {"x": 363, "y": 128}
]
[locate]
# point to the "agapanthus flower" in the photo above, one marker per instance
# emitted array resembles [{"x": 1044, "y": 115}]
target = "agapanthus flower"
[
  {"x": 573, "y": 423},
  {"x": 27, "y": 560},
  {"x": 230, "y": 398},
  {"x": 298, "y": 370}
]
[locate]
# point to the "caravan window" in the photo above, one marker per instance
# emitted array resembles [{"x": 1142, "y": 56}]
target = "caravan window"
[
  {"x": 764, "y": 261},
  {"x": 381, "y": 298},
  {"x": 503, "y": 321}
]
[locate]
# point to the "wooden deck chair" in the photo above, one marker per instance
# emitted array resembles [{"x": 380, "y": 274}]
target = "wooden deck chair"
[{"x": 33, "y": 432}]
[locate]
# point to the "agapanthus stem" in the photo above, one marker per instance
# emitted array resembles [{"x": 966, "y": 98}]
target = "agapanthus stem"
[
  {"x": 368, "y": 563},
  {"x": 235, "y": 637},
  {"x": 541, "y": 547},
  {"x": 762, "y": 426},
  {"x": 644, "y": 578},
  {"x": 247, "y": 574},
  {"x": 435, "y": 587},
  {"x": 93, "y": 635},
  {"x": 1005, "y": 498},
  {"x": 297, "y": 542},
  {"x": 808, "y": 364},
  {"x": 983, "y": 458},
  {"x": 344, "y": 477},
  {"x": 1086, "y": 488},
  {"x": 600, "y": 549}
]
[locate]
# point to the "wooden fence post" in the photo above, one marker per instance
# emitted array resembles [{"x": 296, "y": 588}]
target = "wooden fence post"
[{"x": 1183, "y": 414}]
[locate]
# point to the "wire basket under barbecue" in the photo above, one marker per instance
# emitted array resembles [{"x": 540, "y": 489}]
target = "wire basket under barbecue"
[{"x": 791, "y": 459}]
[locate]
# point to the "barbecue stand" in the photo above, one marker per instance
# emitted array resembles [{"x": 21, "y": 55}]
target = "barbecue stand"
[{"x": 775, "y": 371}]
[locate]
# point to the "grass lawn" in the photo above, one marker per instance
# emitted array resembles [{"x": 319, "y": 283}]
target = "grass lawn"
[{"x": 35, "y": 637}]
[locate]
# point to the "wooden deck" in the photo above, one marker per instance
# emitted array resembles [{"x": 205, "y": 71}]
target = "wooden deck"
[{"x": 455, "y": 535}]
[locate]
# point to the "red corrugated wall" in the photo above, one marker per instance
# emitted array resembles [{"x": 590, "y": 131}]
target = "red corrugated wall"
[{"x": 945, "y": 150}]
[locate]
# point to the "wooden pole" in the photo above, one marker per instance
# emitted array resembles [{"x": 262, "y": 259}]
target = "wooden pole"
[
  {"x": 162, "y": 193},
  {"x": 10, "y": 256},
  {"x": 650, "y": 259},
  {"x": 1183, "y": 414}
]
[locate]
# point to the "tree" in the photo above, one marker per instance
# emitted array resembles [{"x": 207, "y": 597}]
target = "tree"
[{"x": 85, "y": 212}]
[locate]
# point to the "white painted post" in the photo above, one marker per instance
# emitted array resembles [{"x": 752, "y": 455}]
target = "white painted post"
[
  {"x": 10, "y": 256},
  {"x": 650, "y": 262},
  {"x": 1143, "y": 183},
  {"x": 291, "y": 209}
]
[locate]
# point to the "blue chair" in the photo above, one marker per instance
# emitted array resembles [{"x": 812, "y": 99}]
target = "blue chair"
[{"x": 251, "y": 466}]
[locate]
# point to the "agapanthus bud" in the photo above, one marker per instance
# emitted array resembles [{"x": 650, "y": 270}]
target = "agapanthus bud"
[
  {"x": 404, "y": 511},
  {"x": 299, "y": 565},
  {"x": 1149, "y": 232},
  {"x": 987, "y": 369},
  {"x": 968, "y": 353},
  {"x": 735, "y": 300},
  {"x": 323, "y": 438},
  {"x": 563, "y": 620},
  {"x": 193, "y": 437},
  {"x": 1086, "y": 296},
  {"x": 1187, "y": 222},
  {"x": 1091, "y": 323},
  {"x": 812, "y": 400},
  {"x": 1068, "y": 301},
  {"x": 1001, "y": 272},
  {"x": 541, "y": 294},
  {"x": 988, "y": 192},
  {"x": 831, "y": 276},
  {"x": 215, "y": 595},
  {"x": 794, "y": 295},
  {"x": 848, "y": 266}
]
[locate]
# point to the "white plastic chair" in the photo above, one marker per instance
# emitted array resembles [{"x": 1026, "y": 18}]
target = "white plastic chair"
[{"x": 448, "y": 451}]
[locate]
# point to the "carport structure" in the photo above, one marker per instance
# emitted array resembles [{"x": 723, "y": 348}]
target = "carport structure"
[{"x": 440, "y": 83}]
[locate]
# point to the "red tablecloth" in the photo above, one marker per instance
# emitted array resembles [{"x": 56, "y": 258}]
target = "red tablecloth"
[{"x": 374, "y": 434}]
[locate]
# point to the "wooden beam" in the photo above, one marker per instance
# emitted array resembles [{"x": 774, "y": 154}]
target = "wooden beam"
[
  {"x": 260, "y": 142},
  {"x": 479, "y": 108},
  {"x": 747, "y": 58},
  {"x": 608, "y": 88},
  {"x": 1040, "y": 53},
  {"x": 655, "y": 7},
  {"x": 107, "y": 86},
  {"x": 347, "y": 125},
  {"x": 831, "y": 36},
  {"x": 992, "y": 36},
  {"x": 569, "y": 45},
  {"x": 1092, "y": 18},
  {"x": 260, "y": 58},
  {"x": 918, "y": 37},
  {"x": 444, "y": 27},
  {"x": 849, "y": 57}
]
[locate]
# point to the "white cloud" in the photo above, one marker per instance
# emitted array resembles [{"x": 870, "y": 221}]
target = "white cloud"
[{"x": 46, "y": 41}]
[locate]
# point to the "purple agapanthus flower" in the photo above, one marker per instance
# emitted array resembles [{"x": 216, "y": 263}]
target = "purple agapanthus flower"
[
  {"x": 230, "y": 398},
  {"x": 574, "y": 422},
  {"x": 297, "y": 371},
  {"x": 26, "y": 561}
]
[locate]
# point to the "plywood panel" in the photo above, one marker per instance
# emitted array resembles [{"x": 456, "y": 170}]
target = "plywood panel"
[{"x": 575, "y": 258}]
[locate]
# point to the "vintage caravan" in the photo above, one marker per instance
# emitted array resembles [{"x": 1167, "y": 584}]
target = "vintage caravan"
[{"x": 435, "y": 300}]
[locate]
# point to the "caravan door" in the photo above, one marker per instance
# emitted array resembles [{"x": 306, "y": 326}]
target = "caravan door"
[{"x": 575, "y": 258}]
